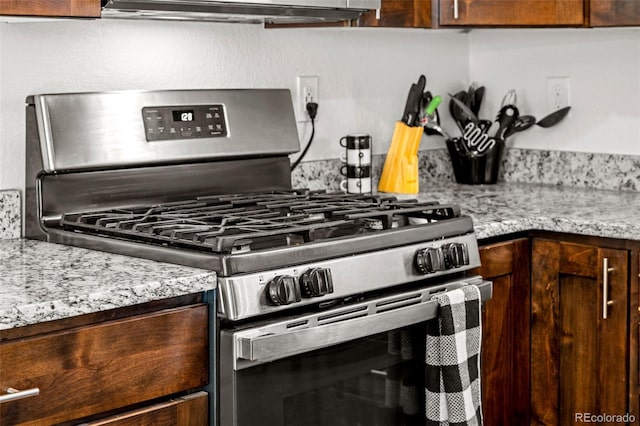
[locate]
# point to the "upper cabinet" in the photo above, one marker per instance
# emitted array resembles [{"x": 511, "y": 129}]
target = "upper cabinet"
[
  {"x": 400, "y": 13},
  {"x": 418, "y": 13},
  {"x": 61, "y": 8},
  {"x": 614, "y": 13},
  {"x": 504, "y": 13},
  {"x": 509, "y": 13}
]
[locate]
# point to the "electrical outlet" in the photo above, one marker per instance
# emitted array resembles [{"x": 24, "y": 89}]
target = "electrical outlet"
[
  {"x": 307, "y": 92},
  {"x": 557, "y": 93}
]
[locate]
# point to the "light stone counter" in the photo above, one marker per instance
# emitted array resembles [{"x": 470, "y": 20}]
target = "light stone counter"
[
  {"x": 41, "y": 281},
  {"x": 10, "y": 214},
  {"x": 507, "y": 208}
]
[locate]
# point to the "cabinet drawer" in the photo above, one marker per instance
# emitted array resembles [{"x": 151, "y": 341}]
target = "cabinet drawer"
[
  {"x": 93, "y": 369},
  {"x": 190, "y": 410}
]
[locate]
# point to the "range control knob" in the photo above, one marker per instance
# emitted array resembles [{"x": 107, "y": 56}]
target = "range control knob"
[
  {"x": 316, "y": 282},
  {"x": 282, "y": 290},
  {"x": 429, "y": 260},
  {"x": 455, "y": 255}
]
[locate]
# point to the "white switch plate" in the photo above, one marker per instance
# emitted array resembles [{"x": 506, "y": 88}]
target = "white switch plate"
[
  {"x": 307, "y": 90},
  {"x": 557, "y": 93}
]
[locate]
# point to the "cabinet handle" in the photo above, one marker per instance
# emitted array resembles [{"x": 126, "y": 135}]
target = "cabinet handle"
[
  {"x": 605, "y": 287},
  {"x": 456, "y": 13},
  {"x": 15, "y": 394}
]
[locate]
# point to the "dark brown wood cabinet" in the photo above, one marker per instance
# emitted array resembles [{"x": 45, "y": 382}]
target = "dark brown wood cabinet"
[
  {"x": 61, "y": 8},
  {"x": 478, "y": 13},
  {"x": 579, "y": 329},
  {"x": 505, "y": 340},
  {"x": 400, "y": 13},
  {"x": 184, "y": 411},
  {"x": 511, "y": 13},
  {"x": 612, "y": 13},
  {"x": 96, "y": 368}
]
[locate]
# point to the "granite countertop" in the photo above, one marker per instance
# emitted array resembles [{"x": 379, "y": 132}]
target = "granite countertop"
[
  {"x": 41, "y": 281},
  {"x": 507, "y": 208}
]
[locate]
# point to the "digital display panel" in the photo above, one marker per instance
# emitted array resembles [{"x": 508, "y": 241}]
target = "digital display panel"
[
  {"x": 164, "y": 123},
  {"x": 184, "y": 115}
]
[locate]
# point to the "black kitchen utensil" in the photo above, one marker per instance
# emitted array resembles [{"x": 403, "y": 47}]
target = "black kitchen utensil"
[
  {"x": 506, "y": 118},
  {"x": 420, "y": 85},
  {"x": 427, "y": 97},
  {"x": 466, "y": 114},
  {"x": 522, "y": 123},
  {"x": 477, "y": 141},
  {"x": 554, "y": 118},
  {"x": 414, "y": 98},
  {"x": 411, "y": 106},
  {"x": 456, "y": 113},
  {"x": 475, "y": 100},
  {"x": 485, "y": 125}
]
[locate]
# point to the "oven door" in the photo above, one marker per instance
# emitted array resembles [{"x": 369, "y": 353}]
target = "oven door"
[{"x": 360, "y": 364}]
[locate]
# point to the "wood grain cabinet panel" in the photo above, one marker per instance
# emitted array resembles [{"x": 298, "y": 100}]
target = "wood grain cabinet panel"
[
  {"x": 190, "y": 410},
  {"x": 495, "y": 13},
  {"x": 93, "y": 369},
  {"x": 611, "y": 13},
  {"x": 400, "y": 13},
  {"x": 62, "y": 8},
  {"x": 505, "y": 340},
  {"x": 578, "y": 357}
]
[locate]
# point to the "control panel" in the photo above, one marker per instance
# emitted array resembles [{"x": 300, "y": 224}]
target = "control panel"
[
  {"x": 184, "y": 122},
  {"x": 246, "y": 295}
]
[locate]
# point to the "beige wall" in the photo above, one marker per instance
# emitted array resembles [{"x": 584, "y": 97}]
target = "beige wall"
[
  {"x": 364, "y": 74},
  {"x": 603, "y": 66}
]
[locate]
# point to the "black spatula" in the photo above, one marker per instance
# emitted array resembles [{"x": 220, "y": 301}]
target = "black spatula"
[{"x": 554, "y": 118}]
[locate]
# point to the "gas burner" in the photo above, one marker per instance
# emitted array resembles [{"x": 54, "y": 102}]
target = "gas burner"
[{"x": 240, "y": 223}]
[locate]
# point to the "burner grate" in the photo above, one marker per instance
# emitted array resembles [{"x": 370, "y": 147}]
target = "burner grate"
[{"x": 249, "y": 222}]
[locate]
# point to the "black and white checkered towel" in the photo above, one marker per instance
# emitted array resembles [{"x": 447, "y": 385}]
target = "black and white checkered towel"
[{"x": 452, "y": 373}]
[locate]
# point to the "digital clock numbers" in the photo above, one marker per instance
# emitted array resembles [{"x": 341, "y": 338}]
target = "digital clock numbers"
[{"x": 183, "y": 115}]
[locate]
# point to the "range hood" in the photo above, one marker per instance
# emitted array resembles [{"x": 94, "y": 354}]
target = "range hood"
[{"x": 243, "y": 11}]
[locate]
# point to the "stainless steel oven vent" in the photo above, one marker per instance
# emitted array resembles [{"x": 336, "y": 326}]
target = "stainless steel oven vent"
[{"x": 240, "y": 11}]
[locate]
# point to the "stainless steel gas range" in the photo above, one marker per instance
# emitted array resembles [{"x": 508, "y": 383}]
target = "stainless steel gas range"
[{"x": 314, "y": 287}]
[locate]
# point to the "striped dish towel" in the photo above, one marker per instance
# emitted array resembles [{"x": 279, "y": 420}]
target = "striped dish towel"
[{"x": 452, "y": 373}]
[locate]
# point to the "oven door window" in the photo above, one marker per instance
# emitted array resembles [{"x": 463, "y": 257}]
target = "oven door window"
[{"x": 374, "y": 380}]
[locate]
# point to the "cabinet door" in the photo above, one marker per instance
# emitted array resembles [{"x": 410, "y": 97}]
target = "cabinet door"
[
  {"x": 610, "y": 13},
  {"x": 505, "y": 333},
  {"x": 578, "y": 331},
  {"x": 97, "y": 368},
  {"x": 190, "y": 410},
  {"x": 512, "y": 12},
  {"x": 400, "y": 13},
  {"x": 71, "y": 8}
]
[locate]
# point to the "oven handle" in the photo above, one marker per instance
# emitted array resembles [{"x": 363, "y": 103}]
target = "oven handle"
[{"x": 271, "y": 347}]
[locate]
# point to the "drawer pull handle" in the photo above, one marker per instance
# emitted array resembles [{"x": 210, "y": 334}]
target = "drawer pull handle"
[
  {"x": 456, "y": 13},
  {"x": 605, "y": 287},
  {"x": 15, "y": 394}
]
